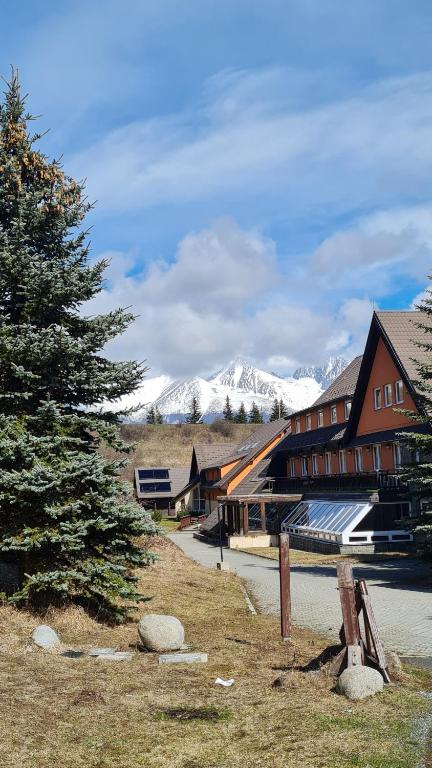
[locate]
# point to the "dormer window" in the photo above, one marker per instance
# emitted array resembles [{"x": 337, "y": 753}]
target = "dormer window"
[
  {"x": 309, "y": 421},
  {"x": 377, "y": 398},
  {"x": 399, "y": 391},
  {"x": 347, "y": 409},
  {"x": 333, "y": 414}
]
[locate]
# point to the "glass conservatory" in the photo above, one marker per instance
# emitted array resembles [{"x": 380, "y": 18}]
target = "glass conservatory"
[{"x": 347, "y": 522}]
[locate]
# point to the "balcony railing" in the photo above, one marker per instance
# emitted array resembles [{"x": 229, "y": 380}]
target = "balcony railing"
[{"x": 358, "y": 482}]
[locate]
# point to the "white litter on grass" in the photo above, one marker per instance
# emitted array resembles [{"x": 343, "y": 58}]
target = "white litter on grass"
[{"x": 225, "y": 683}]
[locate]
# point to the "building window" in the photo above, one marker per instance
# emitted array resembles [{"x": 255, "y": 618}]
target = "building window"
[
  {"x": 297, "y": 425},
  {"x": 397, "y": 453},
  {"x": 314, "y": 464},
  {"x": 328, "y": 463},
  {"x": 358, "y": 453},
  {"x": 304, "y": 466},
  {"x": 333, "y": 414},
  {"x": 399, "y": 391},
  {"x": 293, "y": 468},
  {"x": 342, "y": 462},
  {"x": 377, "y": 398},
  {"x": 320, "y": 418},
  {"x": 347, "y": 409},
  {"x": 388, "y": 395},
  {"x": 308, "y": 421},
  {"x": 155, "y": 487},
  {"x": 376, "y": 457}
]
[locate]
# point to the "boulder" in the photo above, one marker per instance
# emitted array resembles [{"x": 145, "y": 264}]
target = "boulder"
[
  {"x": 358, "y": 683},
  {"x": 45, "y": 637},
  {"x": 161, "y": 633}
]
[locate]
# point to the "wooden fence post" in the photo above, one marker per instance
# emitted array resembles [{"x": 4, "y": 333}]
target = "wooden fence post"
[{"x": 285, "y": 586}]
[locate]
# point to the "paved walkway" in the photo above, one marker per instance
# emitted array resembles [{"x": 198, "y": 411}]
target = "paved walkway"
[{"x": 400, "y": 590}]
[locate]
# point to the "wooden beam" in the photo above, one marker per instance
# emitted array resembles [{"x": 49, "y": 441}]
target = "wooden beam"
[
  {"x": 285, "y": 586},
  {"x": 263, "y": 516}
]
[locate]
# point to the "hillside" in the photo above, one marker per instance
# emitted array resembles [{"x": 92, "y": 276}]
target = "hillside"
[{"x": 171, "y": 444}]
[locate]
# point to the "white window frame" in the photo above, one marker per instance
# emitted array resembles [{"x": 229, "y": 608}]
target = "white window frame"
[
  {"x": 358, "y": 458},
  {"x": 376, "y": 454},
  {"x": 333, "y": 410},
  {"x": 399, "y": 391},
  {"x": 304, "y": 467},
  {"x": 348, "y": 404},
  {"x": 377, "y": 398},
  {"x": 388, "y": 395},
  {"x": 308, "y": 422},
  {"x": 397, "y": 455},
  {"x": 342, "y": 462},
  {"x": 328, "y": 463},
  {"x": 315, "y": 464},
  {"x": 320, "y": 418},
  {"x": 298, "y": 426}
]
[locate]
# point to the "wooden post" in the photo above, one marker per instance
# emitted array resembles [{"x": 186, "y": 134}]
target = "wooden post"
[
  {"x": 285, "y": 586},
  {"x": 245, "y": 519},
  {"x": 263, "y": 516},
  {"x": 348, "y": 604}
]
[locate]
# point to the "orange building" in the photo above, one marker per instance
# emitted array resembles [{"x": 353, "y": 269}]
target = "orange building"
[{"x": 343, "y": 454}]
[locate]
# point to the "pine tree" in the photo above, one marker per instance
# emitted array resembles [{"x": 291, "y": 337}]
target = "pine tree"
[
  {"x": 241, "y": 417},
  {"x": 194, "y": 416},
  {"x": 255, "y": 416},
  {"x": 158, "y": 416},
  {"x": 417, "y": 468},
  {"x": 279, "y": 410},
  {"x": 151, "y": 415},
  {"x": 66, "y": 520},
  {"x": 274, "y": 413},
  {"x": 228, "y": 411}
]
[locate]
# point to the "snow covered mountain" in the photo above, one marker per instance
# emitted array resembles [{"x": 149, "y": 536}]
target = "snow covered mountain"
[
  {"x": 241, "y": 381},
  {"x": 323, "y": 375}
]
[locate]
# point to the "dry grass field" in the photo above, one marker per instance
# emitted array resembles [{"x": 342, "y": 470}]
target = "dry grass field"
[
  {"x": 299, "y": 557},
  {"x": 171, "y": 444},
  {"x": 89, "y": 713}
]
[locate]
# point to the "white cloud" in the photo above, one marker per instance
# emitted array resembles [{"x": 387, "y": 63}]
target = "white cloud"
[
  {"x": 221, "y": 297},
  {"x": 248, "y": 138}
]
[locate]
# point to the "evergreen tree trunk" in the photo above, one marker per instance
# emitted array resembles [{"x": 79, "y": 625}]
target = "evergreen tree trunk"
[{"x": 65, "y": 517}]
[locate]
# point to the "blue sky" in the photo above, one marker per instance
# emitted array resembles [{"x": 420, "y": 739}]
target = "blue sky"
[{"x": 262, "y": 170}]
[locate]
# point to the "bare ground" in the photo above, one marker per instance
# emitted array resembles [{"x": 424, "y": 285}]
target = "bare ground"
[{"x": 87, "y": 713}]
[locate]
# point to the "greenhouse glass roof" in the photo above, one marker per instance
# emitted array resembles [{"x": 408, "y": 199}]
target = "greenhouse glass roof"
[{"x": 328, "y": 516}]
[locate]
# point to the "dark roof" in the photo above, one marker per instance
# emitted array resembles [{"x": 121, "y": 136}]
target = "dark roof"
[
  {"x": 388, "y": 435},
  {"x": 213, "y": 454},
  {"x": 333, "y": 433},
  {"x": 343, "y": 386},
  {"x": 177, "y": 476},
  {"x": 404, "y": 335},
  {"x": 256, "y": 478},
  {"x": 255, "y": 443}
]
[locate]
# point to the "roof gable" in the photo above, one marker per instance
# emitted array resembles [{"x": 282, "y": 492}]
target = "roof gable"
[
  {"x": 343, "y": 386},
  {"x": 394, "y": 330}
]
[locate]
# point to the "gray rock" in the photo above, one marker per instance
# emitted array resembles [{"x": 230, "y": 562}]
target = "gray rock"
[
  {"x": 102, "y": 651},
  {"x": 392, "y": 660},
  {"x": 161, "y": 633},
  {"x": 45, "y": 637},
  {"x": 358, "y": 683},
  {"x": 117, "y": 656},
  {"x": 183, "y": 658}
]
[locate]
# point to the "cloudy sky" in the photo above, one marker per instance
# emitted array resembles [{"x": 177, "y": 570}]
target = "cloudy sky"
[{"x": 262, "y": 168}]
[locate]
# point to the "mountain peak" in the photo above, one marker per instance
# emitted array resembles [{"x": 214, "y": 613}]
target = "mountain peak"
[{"x": 324, "y": 374}]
